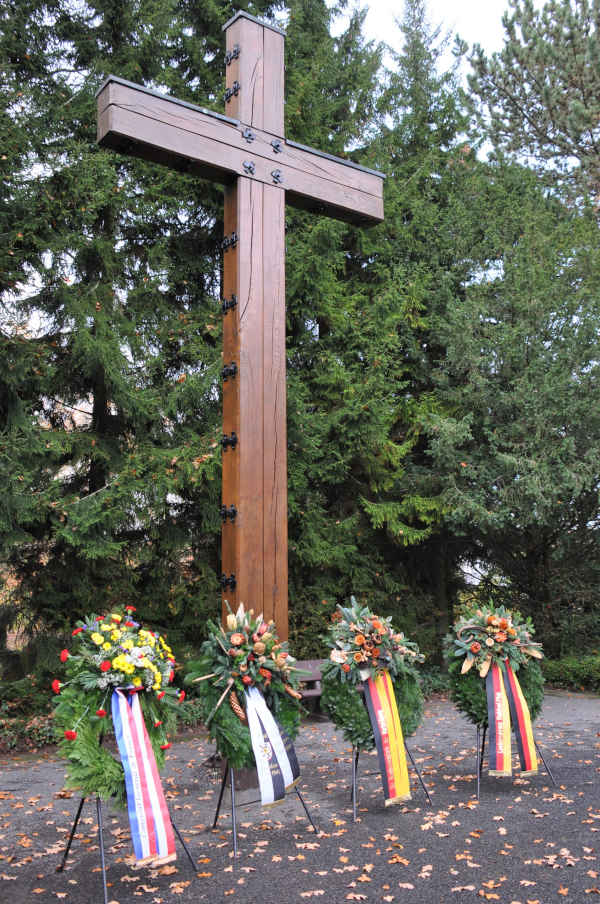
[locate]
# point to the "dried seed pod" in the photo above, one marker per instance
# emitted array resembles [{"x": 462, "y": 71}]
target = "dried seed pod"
[
  {"x": 293, "y": 693},
  {"x": 235, "y": 705}
]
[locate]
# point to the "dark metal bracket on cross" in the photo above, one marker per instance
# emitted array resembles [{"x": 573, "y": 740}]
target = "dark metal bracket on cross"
[{"x": 261, "y": 170}]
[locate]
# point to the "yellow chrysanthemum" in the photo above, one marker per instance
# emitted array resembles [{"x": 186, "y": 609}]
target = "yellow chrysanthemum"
[
  {"x": 114, "y": 635},
  {"x": 127, "y": 644},
  {"x": 97, "y": 638},
  {"x": 106, "y": 645},
  {"x": 136, "y": 682},
  {"x": 105, "y": 627}
]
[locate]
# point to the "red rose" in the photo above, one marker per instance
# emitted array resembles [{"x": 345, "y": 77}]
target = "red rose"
[
  {"x": 105, "y": 665},
  {"x": 171, "y": 676},
  {"x": 345, "y": 667},
  {"x": 157, "y": 723},
  {"x": 101, "y": 713},
  {"x": 56, "y": 686},
  {"x": 130, "y": 609},
  {"x": 70, "y": 735},
  {"x": 129, "y": 624},
  {"x": 76, "y": 631},
  {"x": 475, "y": 647},
  {"x": 160, "y": 695},
  {"x": 265, "y": 673},
  {"x": 64, "y": 655},
  {"x": 181, "y": 696},
  {"x": 247, "y": 679},
  {"x": 165, "y": 746}
]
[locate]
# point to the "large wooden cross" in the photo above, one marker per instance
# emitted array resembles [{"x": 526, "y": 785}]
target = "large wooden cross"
[{"x": 261, "y": 170}]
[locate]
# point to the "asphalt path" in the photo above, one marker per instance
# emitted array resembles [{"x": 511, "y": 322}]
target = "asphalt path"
[{"x": 526, "y": 841}]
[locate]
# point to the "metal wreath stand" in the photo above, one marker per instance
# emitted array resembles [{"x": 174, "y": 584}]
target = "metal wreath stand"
[
  {"x": 229, "y": 774},
  {"x": 481, "y": 737},
  {"x": 355, "y": 755},
  {"x": 61, "y": 865}
]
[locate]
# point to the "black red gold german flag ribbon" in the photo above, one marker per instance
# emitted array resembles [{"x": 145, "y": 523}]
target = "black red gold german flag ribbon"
[
  {"x": 389, "y": 740},
  {"x": 506, "y": 705}
]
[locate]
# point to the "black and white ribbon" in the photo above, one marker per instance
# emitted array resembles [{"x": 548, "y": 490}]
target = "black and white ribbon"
[{"x": 276, "y": 761}]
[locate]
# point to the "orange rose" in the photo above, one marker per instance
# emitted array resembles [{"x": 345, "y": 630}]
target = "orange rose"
[
  {"x": 512, "y": 632},
  {"x": 358, "y": 657},
  {"x": 359, "y": 639},
  {"x": 503, "y": 624},
  {"x": 500, "y": 637},
  {"x": 377, "y": 625},
  {"x": 375, "y": 652},
  {"x": 475, "y": 647},
  {"x": 345, "y": 667}
]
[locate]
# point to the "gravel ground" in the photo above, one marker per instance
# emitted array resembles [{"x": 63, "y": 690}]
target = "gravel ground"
[{"x": 525, "y": 842}]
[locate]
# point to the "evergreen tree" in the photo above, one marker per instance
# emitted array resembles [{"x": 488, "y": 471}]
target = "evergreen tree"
[
  {"x": 113, "y": 462},
  {"x": 541, "y": 93},
  {"x": 367, "y": 510},
  {"x": 518, "y": 446}
]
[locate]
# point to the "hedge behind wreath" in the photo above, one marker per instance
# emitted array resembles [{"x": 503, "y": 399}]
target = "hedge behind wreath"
[{"x": 362, "y": 642}]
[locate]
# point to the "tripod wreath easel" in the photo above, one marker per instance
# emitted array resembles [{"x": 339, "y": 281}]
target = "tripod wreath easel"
[
  {"x": 65, "y": 855},
  {"x": 229, "y": 775}
]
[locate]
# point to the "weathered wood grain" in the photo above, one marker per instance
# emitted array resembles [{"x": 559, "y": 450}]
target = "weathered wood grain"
[{"x": 136, "y": 122}]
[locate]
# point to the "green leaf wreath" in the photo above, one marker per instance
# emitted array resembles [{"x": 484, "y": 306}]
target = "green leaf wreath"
[
  {"x": 111, "y": 651},
  {"x": 485, "y": 635},
  {"x": 245, "y": 653},
  {"x": 361, "y": 644}
]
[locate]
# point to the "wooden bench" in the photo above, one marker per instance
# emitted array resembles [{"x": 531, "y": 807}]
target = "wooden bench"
[{"x": 310, "y": 682}]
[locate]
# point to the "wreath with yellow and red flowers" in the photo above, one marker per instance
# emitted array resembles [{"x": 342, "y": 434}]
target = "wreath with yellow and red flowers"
[{"x": 108, "y": 652}]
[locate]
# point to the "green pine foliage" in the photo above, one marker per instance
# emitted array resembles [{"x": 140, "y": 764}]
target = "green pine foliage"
[
  {"x": 344, "y": 704},
  {"x": 541, "y": 92},
  {"x": 468, "y": 692}
]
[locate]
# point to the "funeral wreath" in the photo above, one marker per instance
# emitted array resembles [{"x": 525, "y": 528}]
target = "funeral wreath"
[
  {"x": 110, "y": 652},
  {"x": 487, "y": 635},
  {"x": 245, "y": 653},
  {"x": 363, "y": 645}
]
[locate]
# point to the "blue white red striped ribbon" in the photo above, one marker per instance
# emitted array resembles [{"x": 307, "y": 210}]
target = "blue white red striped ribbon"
[{"x": 151, "y": 829}]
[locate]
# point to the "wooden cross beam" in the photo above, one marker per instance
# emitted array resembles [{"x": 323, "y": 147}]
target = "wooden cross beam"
[{"x": 261, "y": 170}]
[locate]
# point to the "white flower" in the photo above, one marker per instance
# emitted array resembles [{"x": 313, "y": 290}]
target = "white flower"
[{"x": 338, "y": 656}]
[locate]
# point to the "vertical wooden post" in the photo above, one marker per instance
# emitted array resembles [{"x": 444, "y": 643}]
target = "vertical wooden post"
[{"x": 254, "y": 545}]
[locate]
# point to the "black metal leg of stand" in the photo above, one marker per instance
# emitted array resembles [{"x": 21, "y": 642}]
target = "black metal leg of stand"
[
  {"x": 546, "y": 767},
  {"x": 354, "y": 788},
  {"x": 478, "y": 760},
  {"x": 221, "y": 792},
  {"x": 101, "y": 841},
  {"x": 182, "y": 843},
  {"x": 61, "y": 866},
  {"x": 420, "y": 777},
  {"x": 302, "y": 801},
  {"x": 482, "y": 749},
  {"x": 232, "y": 786}
]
